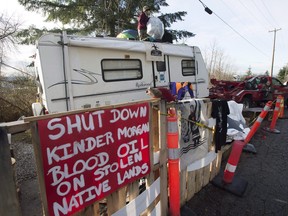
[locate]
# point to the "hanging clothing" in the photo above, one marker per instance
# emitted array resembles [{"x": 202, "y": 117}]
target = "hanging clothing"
[{"x": 220, "y": 111}]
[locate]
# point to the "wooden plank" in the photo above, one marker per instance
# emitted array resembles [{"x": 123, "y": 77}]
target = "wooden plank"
[
  {"x": 154, "y": 139},
  {"x": 213, "y": 168},
  {"x": 206, "y": 175},
  {"x": 116, "y": 201},
  {"x": 155, "y": 127},
  {"x": 73, "y": 112},
  {"x": 151, "y": 207},
  {"x": 141, "y": 203},
  {"x": 92, "y": 210},
  {"x": 191, "y": 179},
  {"x": 156, "y": 211},
  {"x": 163, "y": 157},
  {"x": 39, "y": 162},
  {"x": 199, "y": 180},
  {"x": 150, "y": 179},
  {"x": 96, "y": 209},
  {"x": 218, "y": 162},
  {"x": 9, "y": 204},
  {"x": 133, "y": 190},
  {"x": 15, "y": 126},
  {"x": 183, "y": 187}
]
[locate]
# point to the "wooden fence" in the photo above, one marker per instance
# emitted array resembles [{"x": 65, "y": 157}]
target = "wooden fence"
[{"x": 126, "y": 200}]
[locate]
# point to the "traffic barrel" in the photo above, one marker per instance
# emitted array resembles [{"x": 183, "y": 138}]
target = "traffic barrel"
[
  {"x": 272, "y": 128},
  {"x": 233, "y": 160},
  {"x": 257, "y": 123},
  {"x": 173, "y": 162}
]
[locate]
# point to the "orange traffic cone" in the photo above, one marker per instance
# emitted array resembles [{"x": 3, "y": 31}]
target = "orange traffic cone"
[
  {"x": 257, "y": 123},
  {"x": 281, "y": 111},
  {"x": 272, "y": 128}
]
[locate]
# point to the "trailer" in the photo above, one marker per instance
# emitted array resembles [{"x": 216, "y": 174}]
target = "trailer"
[{"x": 75, "y": 72}]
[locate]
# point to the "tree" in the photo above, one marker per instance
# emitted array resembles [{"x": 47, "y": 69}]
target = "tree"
[
  {"x": 217, "y": 63},
  {"x": 249, "y": 72},
  {"x": 16, "y": 96},
  {"x": 16, "y": 93},
  {"x": 283, "y": 74},
  {"x": 94, "y": 17},
  {"x": 8, "y": 29}
]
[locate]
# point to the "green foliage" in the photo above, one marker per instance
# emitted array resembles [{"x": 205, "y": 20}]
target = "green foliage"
[
  {"x": 96, "y": 17},
  {"x": 283, "y": 74}
]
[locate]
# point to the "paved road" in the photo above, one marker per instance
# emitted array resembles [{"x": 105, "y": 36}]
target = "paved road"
[{"x": 266, "y": 173}]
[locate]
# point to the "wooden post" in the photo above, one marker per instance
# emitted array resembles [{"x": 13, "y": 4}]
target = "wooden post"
[
  {"x": 38, "y": 157},
  {"x": 9, "y": 204},
  {"x": 163, "y": 158}
]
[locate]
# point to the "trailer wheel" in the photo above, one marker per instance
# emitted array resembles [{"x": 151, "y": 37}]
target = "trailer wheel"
[{"x": 247, "y": 102}]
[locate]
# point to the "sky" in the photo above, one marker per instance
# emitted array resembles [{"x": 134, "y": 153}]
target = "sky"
[{"x": 242, "y": 29}]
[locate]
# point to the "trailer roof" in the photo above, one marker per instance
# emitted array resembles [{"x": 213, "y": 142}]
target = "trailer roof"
[{"x": 118, "y": 44}]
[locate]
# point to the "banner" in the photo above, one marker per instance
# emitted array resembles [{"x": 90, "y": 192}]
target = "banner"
[
  {"x": 89, "y": 155},
  {"x": 193, "y": 138}
]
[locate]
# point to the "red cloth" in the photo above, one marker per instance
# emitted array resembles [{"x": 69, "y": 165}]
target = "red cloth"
[{"x": 142, "y": 21}]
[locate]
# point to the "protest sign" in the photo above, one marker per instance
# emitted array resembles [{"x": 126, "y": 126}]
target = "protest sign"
[{"x": 89, "y": 155}]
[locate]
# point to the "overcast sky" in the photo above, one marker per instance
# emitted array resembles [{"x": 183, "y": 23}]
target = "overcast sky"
[{"x": 242, "y": 29}]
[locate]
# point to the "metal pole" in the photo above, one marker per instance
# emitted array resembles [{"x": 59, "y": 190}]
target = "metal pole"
[{"x": 273, "y": 52}]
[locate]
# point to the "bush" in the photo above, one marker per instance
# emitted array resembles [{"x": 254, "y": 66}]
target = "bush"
[{"x": 17, "y": 94}]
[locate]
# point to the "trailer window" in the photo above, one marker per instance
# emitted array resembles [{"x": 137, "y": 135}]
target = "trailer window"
[
  {"x": 161, "y": 66},
  {"x": 121, "y": 69},
  {"x": 188, "y": 67}
]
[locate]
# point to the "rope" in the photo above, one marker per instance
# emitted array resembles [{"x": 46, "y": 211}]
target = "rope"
[
  {"x": 197, "y": 123},
  {"x": 205, "y": 126}
]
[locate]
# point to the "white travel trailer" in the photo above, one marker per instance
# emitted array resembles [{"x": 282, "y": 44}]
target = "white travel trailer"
[{"x": 79, "y": 72}]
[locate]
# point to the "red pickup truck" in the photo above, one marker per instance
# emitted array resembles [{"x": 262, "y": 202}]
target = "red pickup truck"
[{"x": 253, "y": 91}]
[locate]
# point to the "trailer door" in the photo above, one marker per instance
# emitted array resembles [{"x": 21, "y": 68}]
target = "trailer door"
[{"x": 161, "y": 73}]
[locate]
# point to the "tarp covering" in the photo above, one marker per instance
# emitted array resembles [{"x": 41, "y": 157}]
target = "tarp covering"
[{"x": 128, "y": 34}]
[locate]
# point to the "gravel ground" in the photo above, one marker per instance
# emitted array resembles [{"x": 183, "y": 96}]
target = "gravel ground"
[{"x": 26, "y": 175}]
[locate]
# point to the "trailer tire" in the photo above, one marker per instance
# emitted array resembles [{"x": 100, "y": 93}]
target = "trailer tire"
[{"x": 247, "y": 102}]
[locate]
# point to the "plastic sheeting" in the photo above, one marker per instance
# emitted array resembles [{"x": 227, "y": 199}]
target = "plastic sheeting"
[
  {"x": 155, "y": 28},
  {"x": 236, "y": 124}
]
